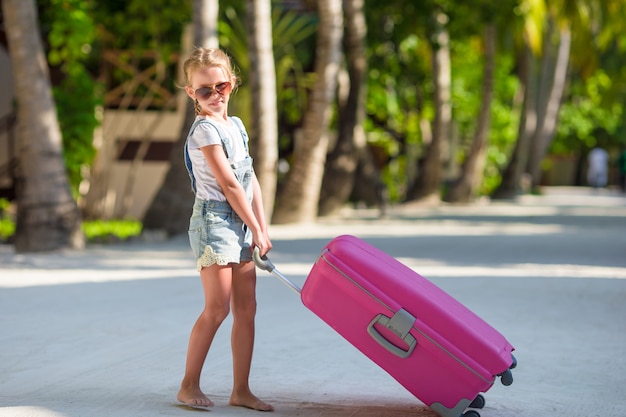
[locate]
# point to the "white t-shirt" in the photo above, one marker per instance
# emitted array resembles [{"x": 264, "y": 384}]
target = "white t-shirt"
[{"x": 205, "y": 134}]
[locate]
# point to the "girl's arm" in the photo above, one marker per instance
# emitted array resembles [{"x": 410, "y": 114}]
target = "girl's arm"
[
  {"x": 257, "y": 203},
  {"x": 259, "y": 212},
  {"x": 237, "y": 198}
]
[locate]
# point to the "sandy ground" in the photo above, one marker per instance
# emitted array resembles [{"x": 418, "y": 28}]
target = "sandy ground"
[{"x": 103, "y": 332}]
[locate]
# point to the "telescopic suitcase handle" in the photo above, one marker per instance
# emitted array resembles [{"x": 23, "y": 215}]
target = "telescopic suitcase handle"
[{"x": 263, "y": 262}]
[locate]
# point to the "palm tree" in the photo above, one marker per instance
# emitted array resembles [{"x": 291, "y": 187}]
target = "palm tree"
[
  {"x": 429, "y": 177},
  {"x": 464, "y": 189},
  {"x": 511, "y": 176},
  {"x": 547, "y": 42},
  {"x": 171, "y": 207},
  {"x": 351, "y": 147},
  {"x": 298, "y": 201},
  {"x": 263, "y": 125},
  {"x": 554, "y": 67},
  {"x": 47, "y": 215}
]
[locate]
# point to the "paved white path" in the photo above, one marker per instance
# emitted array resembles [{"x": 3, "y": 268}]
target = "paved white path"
[{"x": 103, "y": 332}]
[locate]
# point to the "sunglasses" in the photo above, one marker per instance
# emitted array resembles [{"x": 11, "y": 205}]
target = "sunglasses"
[{"x": 204, "y": 93}]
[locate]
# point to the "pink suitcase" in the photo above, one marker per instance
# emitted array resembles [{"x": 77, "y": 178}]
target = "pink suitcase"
[{"x": 435, "y": 347}]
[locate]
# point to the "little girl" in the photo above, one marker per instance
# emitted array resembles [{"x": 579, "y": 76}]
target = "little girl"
[{"x": 226, "y": 224}]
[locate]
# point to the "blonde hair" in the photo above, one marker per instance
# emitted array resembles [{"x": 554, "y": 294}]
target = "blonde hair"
[{"x": 208, "y": 57}]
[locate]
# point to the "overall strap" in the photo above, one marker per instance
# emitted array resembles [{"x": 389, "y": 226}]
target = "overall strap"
[
  {"x": 188, "y": 164},
  {"x": 226, "y": 143},
  {"x": 242, "y": 129}
]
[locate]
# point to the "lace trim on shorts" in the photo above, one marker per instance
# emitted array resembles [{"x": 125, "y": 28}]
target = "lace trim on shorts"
[{"x": 209, "y": 258}]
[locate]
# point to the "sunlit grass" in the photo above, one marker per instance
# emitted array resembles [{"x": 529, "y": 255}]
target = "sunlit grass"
[
  {"x": 98, "y": 230},
  {"x": 7, "y": 229},
  {"x": 95, "y": 230}
]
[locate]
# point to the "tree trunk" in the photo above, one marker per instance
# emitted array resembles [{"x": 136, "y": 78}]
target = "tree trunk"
[
  {"x": 205, "y": 16},
  {"x": 171, "y": 207},
  {"x": 466, "y": 187},
  {"x": 47, "y": 215},
  {"x": 429, "y": 176},
  {"x": 264, "y": 123},
  {"x": 300, "y": 197},
  {"x": 95, "y": 204},
  {"x": 511, "y": 184},
  {"x": 341, "y": 164},
  {"x": 550, "y": 107}
]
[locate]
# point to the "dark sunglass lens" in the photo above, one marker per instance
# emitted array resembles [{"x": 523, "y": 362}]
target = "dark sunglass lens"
[
  {"x": 204, "y": 92},
  {"x": 221, "y": 87}
]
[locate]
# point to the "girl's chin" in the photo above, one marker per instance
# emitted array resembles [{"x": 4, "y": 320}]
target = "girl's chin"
[
  {"x": 213, "y": 109},
  {"x": 218, "y": 108}
]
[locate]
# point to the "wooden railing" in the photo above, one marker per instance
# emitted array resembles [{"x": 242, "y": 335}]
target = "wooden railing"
[{"x": 139, "y": 81}]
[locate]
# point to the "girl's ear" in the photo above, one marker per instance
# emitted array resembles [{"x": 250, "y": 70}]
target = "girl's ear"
[{"x": 190, "y": 92}]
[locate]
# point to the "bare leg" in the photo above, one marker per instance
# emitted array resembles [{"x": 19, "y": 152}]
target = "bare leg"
[
  {"x": 216, "y": 281},
  {"x": 243, "y": 303}
]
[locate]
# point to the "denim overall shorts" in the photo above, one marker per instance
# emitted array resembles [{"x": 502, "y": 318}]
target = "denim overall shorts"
[{"x": 217, "y": 235}]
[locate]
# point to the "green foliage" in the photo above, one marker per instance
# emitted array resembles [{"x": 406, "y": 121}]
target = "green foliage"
[
  {"x": 467, "y": 73},
  {"x": 105, "y": 230},
  {"x": 77, "y": 32},
  {"x": 293, "y": 38},
  {"x": 504, "y": 123},
  {"x": 139, "y": 33},
  {"x": 467, "y": 80},
  {"x": 7, "y": 226},
  {"x": 400, "y": 79},
  {"x": 585, "y": 118},
  {"x": 76, "y": 101},
  {"x": 400, "y": 85},
  {"x": 398, "y": 88},
  {"x": 142, "y": 25},
  {"x": 71, "y": 34}
]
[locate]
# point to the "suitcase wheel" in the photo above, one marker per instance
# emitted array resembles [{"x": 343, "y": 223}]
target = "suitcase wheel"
[
  {"x": 514, "y": 364},
  {"x": 471, "y": 413},
  {"x": 506, "y": 377},
  {"x": 479, "y": 402}
]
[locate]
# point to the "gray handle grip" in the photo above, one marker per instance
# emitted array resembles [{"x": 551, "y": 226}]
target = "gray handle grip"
[
  {"x": 263, "y": 262},
  {"x": 400, "y": 324}
]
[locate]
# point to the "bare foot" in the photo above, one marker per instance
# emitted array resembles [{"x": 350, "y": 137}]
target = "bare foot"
[
  {"x": 249, "y": 400},
  {"x": 194, "y": 397}
]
